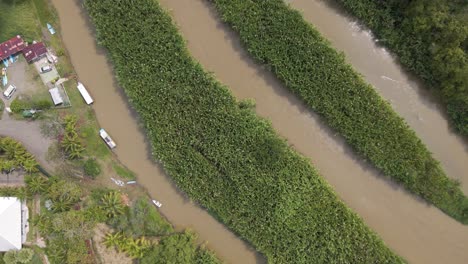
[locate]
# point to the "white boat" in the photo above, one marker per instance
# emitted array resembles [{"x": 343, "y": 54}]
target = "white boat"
[
  {"x": 107, "y": 138},
  {"x": 84, "y": 93},
  {"x": 51, "y": 29},
  {"x": 157, "y": 203}
]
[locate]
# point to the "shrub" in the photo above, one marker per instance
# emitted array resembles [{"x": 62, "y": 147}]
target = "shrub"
[
  {"x": 92, "y": 168},
  {"x": 43, "y": 104},
  {"x": 18, "y": 105},
  {"x": 179, "y": 248},
  {"x": 23, "y": 256}
]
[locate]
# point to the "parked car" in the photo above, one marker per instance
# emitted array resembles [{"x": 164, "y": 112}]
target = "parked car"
[
  {"x": 9, "y": 91},
  {"x": 45, "y": 69}
]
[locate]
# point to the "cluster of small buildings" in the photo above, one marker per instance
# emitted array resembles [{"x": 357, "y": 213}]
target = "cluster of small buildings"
[
  {"x": 10, "y": 49},
  {"x": 13, "y": 46}
]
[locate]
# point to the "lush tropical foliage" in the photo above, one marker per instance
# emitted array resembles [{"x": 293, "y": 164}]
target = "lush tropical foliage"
[
  {"x": 140, "y": 220},
  {"x": 62, "y": 194},
  {"x": 112, "y": 204},
  {"x": 135, "y": 248},
  {"x": 13, "y": 155},
  {"x": 430, "y": 38},
  {"x": 223, "y": 155},
  {"x": 66, "y": 233},
  {"x": 71, "y": 142},
  {"x": 306, "y": 63},
  {"x": 178, "y": 248},
  {"x": 23, "y": 256}
]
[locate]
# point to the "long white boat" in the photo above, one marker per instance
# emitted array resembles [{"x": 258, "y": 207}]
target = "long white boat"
[
  {"x": 107, "y": 138},
  {"x": 84, "y": 93}
]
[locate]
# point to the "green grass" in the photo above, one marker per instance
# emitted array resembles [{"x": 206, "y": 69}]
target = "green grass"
[
  {"x": 305, "y": 62},
  {"x": 17, "y": 19},
  {"x": 36, "y": 259},
  {"x": 223, "y": 155},
  {"x": 44, "y": 13},
  {"x": 123, "y": 172},
  {"x": 93, "y": 143}
]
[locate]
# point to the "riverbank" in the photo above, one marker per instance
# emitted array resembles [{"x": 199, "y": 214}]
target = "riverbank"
[
  {"x": 430, "y": 39},
  {"x": 407, "y": 96},
  {"x": 114, "y": 113}
]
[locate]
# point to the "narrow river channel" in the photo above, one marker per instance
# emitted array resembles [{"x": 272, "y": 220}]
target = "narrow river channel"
[
  {"x": 406, "y": 96},
  {"x": 115, "y": 116},
  {"x": 415, "y": 230}
]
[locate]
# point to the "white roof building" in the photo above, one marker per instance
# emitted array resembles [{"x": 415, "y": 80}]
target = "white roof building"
[
  {"x": 56, "y": 97},
  {"x": 12, "y": 231},
  {"x": 85, "y": 93}
]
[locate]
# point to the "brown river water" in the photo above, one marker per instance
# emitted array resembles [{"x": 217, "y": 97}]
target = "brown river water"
[
  {"x": 115, "y": 115},
  {"x": 415, "y": 230}
]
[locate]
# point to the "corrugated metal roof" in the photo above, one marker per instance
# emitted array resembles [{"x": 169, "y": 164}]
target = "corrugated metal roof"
[
  {"x": 34, "y": 51},
  {"x": 11, "y": 46}
]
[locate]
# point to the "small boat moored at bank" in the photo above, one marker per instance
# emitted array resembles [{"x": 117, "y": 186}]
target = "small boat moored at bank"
[
  {"x": 51, "y": 29},
  {"x": 84, "y": 93},
  {"x": 107, "y": 138},
  {"x": 157, "y": 203}
]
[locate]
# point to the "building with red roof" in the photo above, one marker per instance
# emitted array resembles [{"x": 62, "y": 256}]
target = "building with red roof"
[
  {"x": 11, "y": 47},
  {"x": 34, "y": 51}
]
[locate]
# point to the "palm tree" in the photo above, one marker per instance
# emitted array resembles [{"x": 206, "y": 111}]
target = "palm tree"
[
  {"x": 136, "y": 248},
  {"x": 7, "y": 166},
  {"x": 112, "y": 239},
  {"x": 61, "y": 205},
  {"x": 71, "y": 142},
  {"x": 112, "y": 205},
  {"x": 36, "y": 184},
  {"x": 30, "y": 165},
  {"x": 123, "y": 243},
  {"x": 72, "y": 145}
]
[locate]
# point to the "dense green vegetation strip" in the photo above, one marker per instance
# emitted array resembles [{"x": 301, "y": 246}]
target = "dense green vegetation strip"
[
  {"x": 279, "y": 37},
  {"x": 430, "y": 38},
  {"x": 220, "y": 152}
]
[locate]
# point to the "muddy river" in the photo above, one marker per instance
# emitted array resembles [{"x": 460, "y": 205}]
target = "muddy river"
[
  {"x": 418, "y": 232},
  {"x": 415, "y": 230},
  {"x": 115, "y": 115},
  {"x": 405, "y": 94}
]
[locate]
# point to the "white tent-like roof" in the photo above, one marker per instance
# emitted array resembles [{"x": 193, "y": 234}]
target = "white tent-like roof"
[
  {"x": 10, "y": 224},
  {"x": 56, "y": 97}
]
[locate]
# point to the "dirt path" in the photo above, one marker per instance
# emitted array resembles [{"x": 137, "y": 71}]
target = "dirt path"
[{"x": 29, "y": 134}]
